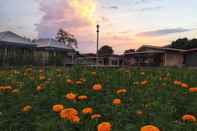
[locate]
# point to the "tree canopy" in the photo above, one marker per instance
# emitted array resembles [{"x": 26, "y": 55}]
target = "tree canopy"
[
  {"x": 67, "y": 38},
  {"x": 184, "y": 43},
  {"x": 105, "y": 51},
  {"x": 129, "y": 51}
]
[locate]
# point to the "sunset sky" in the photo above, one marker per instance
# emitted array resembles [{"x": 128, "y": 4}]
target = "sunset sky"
[{"x": 124, "y": 24}]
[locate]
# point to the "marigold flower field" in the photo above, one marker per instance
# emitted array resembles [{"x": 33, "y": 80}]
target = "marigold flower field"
[{"x": 80, "y": 99}]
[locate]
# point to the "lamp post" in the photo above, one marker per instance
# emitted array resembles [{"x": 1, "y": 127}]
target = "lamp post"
[{"x": 97, "y": 44}]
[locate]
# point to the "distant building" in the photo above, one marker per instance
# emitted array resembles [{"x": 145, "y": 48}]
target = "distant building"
[
  {"x": 190, "y": 58},
  {"x": 14, "y": 49},
  {"x": 92, "y": 60},
  {"x": 155, "y": 56},
  {"x": 17, "y": 50},
  {"x": 50, "y": 51}
]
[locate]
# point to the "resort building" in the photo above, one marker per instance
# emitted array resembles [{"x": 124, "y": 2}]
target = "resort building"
[
  {"x": 91, "y": 59},
  {"x": 17, "y": 50},
  {"x": 155, "y": 56},
  {"x": 190, "y": 58}
]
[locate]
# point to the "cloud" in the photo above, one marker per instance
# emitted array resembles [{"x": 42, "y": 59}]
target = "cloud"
[
  {"x": 114, "y": 7},
  {"x": 162, "y": 32},
  {"x": 73, "y": 16},
  {"x": 145, "y": 1},
  {"x": 149, "y": 8}
]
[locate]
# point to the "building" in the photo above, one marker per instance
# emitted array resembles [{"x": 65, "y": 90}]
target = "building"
[
  {"x": 190, "y": 57},
  {"x": 15, "y": 50},
  {"x": 50, "y": 51},
  {"x": 155, "y": 56},
  {"x": 18, "y": 50},
  {"x": 91, "y": 59}
]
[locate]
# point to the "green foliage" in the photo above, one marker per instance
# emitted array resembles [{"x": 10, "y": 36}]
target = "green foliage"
[
  {"x": 105, "y": 51},
  {"x": 184, "y": 44},
  {"x": 66, "y": 38},
  {"x": 161, "y": 102}
]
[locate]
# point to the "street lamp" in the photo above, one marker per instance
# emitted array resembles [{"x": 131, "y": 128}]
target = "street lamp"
[{"x": 97, "y": 44}]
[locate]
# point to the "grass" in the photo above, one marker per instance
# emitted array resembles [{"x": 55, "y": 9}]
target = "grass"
[{"x": 159, "y": 101}]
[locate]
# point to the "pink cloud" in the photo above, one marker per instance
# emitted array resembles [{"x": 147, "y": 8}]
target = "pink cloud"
[
  {"x": 59, "y": 14},
  {"x": 78, "y": 18}
]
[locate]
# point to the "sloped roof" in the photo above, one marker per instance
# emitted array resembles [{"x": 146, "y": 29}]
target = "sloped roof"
[
  {"x": 145, "y": 52},
  {"x": 191, "y": 50},
  {"x": 159, "y": 48},
  {"x": 11, "y": 37},
  {"x": 51, "y": 43}
]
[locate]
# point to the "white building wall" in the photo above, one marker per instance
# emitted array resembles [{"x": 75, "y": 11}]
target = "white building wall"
[{"x": 173, "y": 59}]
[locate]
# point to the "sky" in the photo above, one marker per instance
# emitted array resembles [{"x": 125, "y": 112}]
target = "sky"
[{"x": 124, "y": 24}]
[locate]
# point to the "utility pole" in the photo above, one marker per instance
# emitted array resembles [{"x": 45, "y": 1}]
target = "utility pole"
[{"x": 97, "y": 46}]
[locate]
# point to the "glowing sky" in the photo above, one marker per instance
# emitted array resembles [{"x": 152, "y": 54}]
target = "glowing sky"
[{"x": 124, "y": 24}]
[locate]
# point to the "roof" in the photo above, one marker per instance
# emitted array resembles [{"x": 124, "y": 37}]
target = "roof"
[
  {"x": 191, "y": 50},
  {"x": 11, "y": 37},
  {"x": 144, "y": 52},
  {"x": 173, "y": 49},
  {"x": 16, "y": 45},
  {"x": 158, "y": 48},
  {"x": 89, "y": 55},
  {"x": 51, "y": 43}
]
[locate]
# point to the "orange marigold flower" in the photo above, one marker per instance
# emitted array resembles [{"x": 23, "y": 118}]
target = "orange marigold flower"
[
  {"x": 192, "y": 90},
  {"x": 40, "y": 88},
  {"x": 149, "y": 128},
  {"x": 26, "y": 108},
  {"x": 104, "y": 126},
  {"x": 82, "y": 97},
  {"x": 75, "y": 119},
  {"x": 95, "y": 116},
  {"x": 184, "y": 85},
  {"x": 145, "y": 82},
  {"x": 87, "y": 110},
  {"x": 68, "y": 113},
  {"x": 57, "y": 108},
  {"x": 177, "y": 82},
  {"x": 70, "y": 96},
  {"x": 116, "y": 102},
  {"x": 69, "y": 81},
  {"x": 5, "y": 88},
  {"x": 97, "y": 87},
  {"x": 189, "y": 118},
  {"x": 121, "y": 91}
]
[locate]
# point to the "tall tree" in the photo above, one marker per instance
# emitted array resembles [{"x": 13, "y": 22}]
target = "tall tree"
[
  {"x": 67, "y": 38},
  {"x": 105, "y": 51},
  {"x": 180, "y": 43},
  {"x": 184, "y": 43}
]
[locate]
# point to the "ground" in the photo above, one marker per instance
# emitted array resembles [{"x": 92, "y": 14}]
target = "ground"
[{"x": 158, "y": 96}]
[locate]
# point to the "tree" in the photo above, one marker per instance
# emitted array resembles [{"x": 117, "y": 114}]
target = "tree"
[
  {"x": 180, "y": 43},
  {"x": 105, "y": 51},
  {"x": 184, "y": 43},
  {"x": 67, "y": 38},
  {"x": 129, "y": 51}
]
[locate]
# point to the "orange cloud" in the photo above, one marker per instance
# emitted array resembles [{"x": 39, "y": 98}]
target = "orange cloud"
[{"x": 85, "y": 9}]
